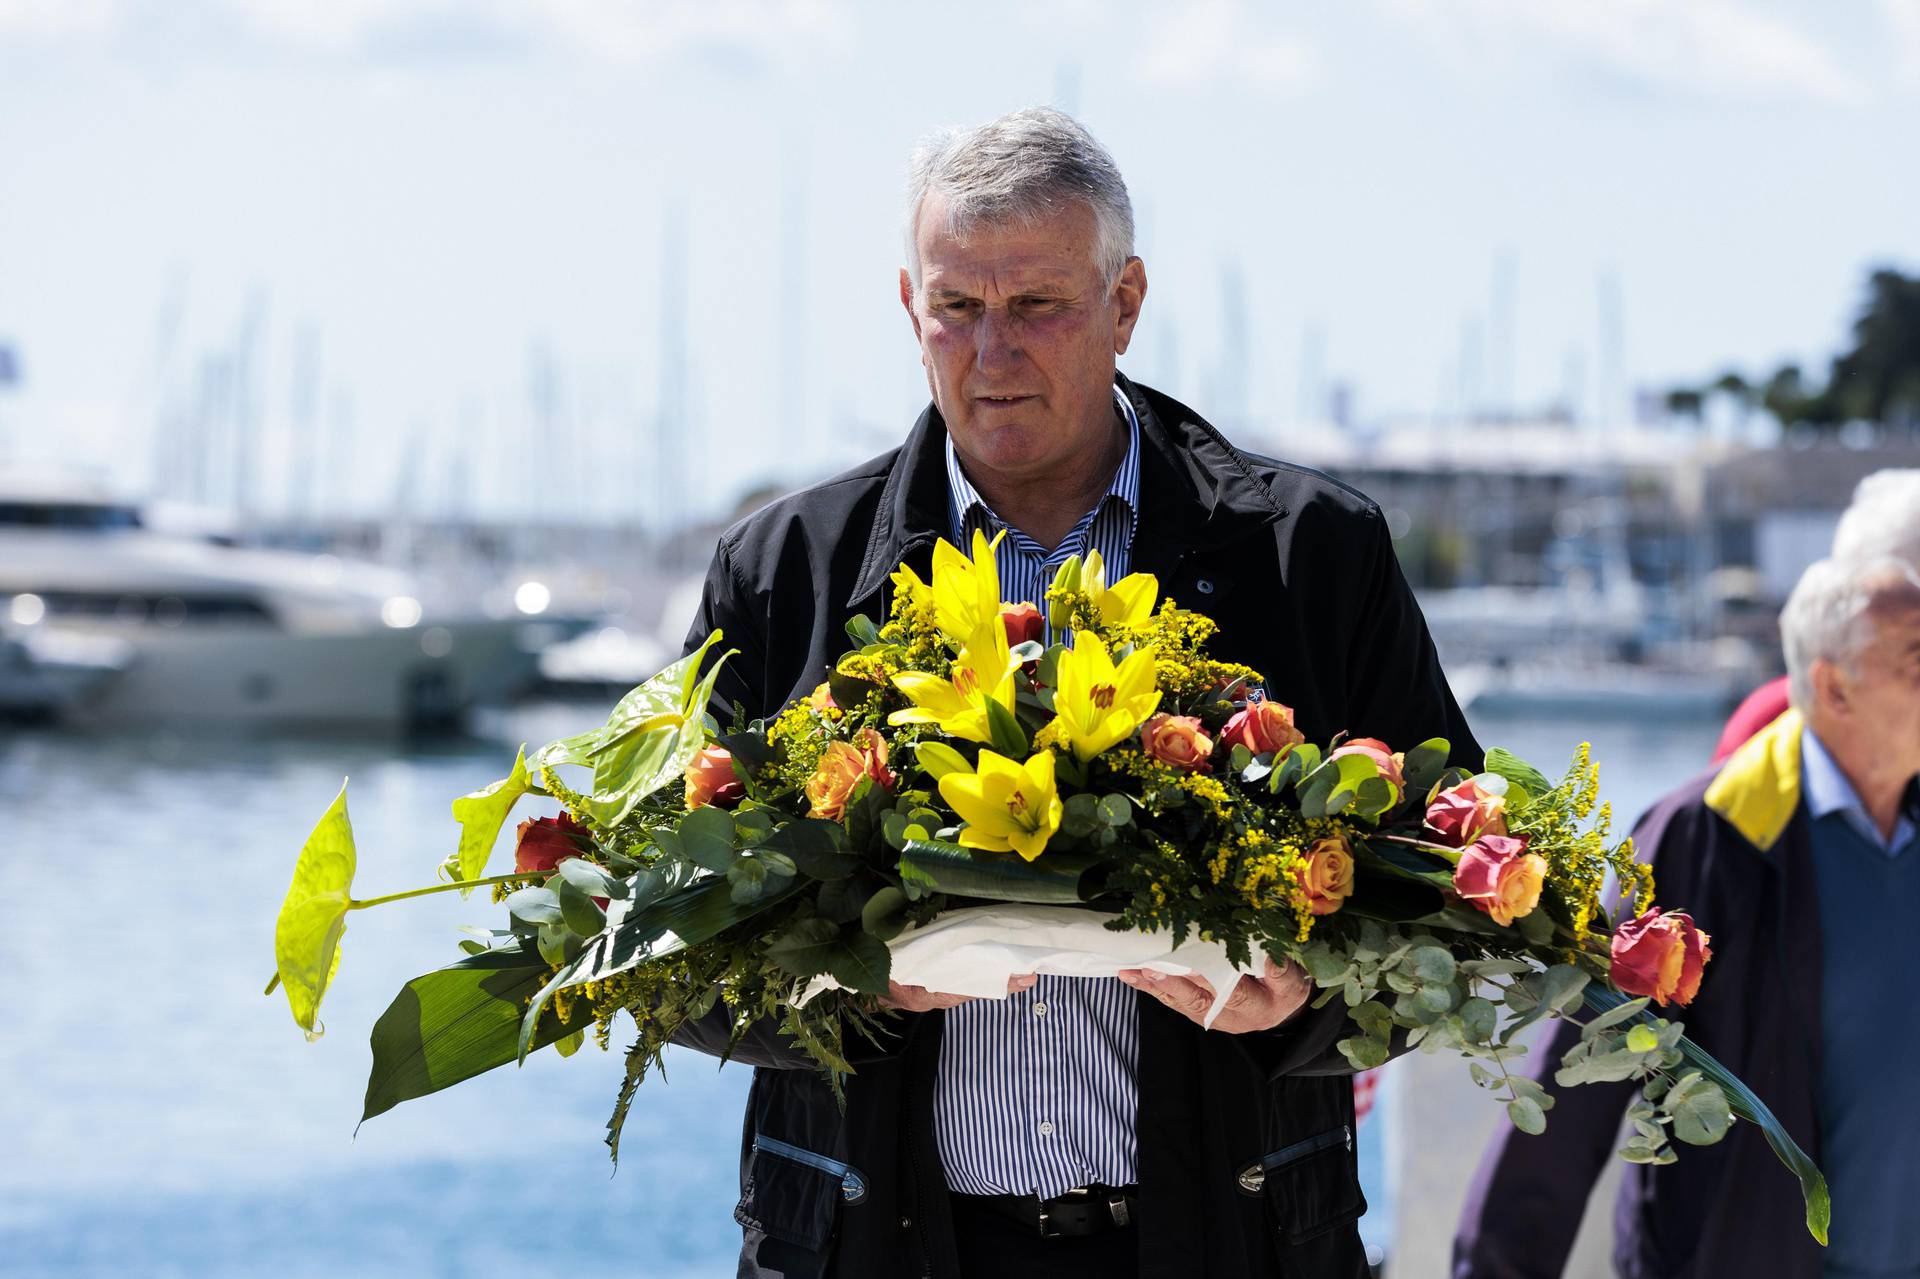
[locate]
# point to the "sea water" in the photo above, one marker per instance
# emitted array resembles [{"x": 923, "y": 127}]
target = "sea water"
[{"x": 160, "y": 1117}]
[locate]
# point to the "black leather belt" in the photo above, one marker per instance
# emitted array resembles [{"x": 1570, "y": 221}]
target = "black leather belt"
[{"x": 1085, "y": 1210}]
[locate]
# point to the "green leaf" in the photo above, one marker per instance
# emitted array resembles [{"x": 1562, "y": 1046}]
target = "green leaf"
[
  {"x": 1004, "y": 730},
  {"x": 1625, "y": 1012},
  {"x": 1365, "y": 1053},
  {"x": 481, "y": 815},
  {"x": 461, "y": 1021},
  {"x": 313, "y": 916},
  {"x": 1478, "y": 1019},
  {"x": 1080, "y": 815},
  {"x": 801, "y": 948},
  {"x": 861, "y": 630},
  {"x": 1527, "y": 1116},
  {"x": 590, "y": 879},
  {"x": 536, "y": 905},
  {"x": 812, "y": 947},
  {"x": 707, "y": 838},
  {"x": 885, "y": 914},
  {"x": 1518, "y": 773},
  {"x": 578, "y": 910},
  {"x": 1114, "y": 810},
  {"x": 861, "y": 962},
  {"x": 571, "y": 1044},
  {"x": 1562, "y": 985},
  {"x": 816, "y": 847},
  {"x": 1642, "y": 1039},
  {"x": 971, "y": 872},
  {"x": 1424, "y": 765},
  {"x": 1701, "y": 1114},
  {"x": 649, "y": 739},
  {"x": 938, "y": 759},
  {"x": 1431, "y": 965}
]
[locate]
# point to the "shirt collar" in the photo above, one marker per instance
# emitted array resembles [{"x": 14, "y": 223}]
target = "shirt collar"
[
  {"x": 1828, "y": 791},
  {"x": 963, "y": 497}
]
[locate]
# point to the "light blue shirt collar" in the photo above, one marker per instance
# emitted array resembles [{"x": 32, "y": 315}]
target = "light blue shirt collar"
[
  {"x": 1125, "y": 486},
  {"x": 1827, "y": 790}
]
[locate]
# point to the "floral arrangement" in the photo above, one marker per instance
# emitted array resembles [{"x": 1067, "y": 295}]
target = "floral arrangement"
[{"x": 955, "y": 757}]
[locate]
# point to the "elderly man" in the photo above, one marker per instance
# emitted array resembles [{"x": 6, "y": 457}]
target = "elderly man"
[
  {"x": 1079, "y": 1126},
  {"x": 1801, "y": 856}
]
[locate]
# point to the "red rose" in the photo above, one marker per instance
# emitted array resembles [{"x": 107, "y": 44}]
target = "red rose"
[
  {"x": 1263, "y": 727},
  {"x": 711, "y": 779},
  {"x": 1024, "y": 622},
  {"x": 1500, "y": 878},
  {"x": 1376, "y": 750},
  {"x": 545, "y": 842},
  {"x": 1464, "y": 813},
  {"x": 1661, "y": 954}
]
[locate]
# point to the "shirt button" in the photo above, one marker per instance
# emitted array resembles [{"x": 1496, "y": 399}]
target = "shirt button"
[
  {"x": 1046, "y": 1128},
  {"x": 1039, "y": 1010},
  {"x": 1204, "y": 586}
]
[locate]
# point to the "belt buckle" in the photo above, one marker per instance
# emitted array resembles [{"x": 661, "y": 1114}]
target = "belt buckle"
[{"x": 1046, "y": 1222}]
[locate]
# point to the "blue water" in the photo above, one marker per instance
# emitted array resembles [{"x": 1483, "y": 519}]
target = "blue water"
[{"x": 159, "y": 1117}]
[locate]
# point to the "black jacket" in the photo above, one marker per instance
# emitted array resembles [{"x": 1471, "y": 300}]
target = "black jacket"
[{"x": 1300, "y": 573}]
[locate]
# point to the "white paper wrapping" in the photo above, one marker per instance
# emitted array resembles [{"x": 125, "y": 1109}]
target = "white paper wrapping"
[{"x": 974, "y": 951}]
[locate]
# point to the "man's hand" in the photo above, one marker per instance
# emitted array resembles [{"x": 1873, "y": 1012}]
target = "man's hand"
[
  {"x": 918, "y": 999},
  {"x": 1257, "y": 1003}
]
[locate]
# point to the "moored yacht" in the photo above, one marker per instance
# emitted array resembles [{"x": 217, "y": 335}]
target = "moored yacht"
[{"x": 218, "y": 632}]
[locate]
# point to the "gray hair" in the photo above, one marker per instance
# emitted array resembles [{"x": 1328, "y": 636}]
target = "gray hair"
[
  {"x": 1829, "y": 616},
  {"x": 1883, "y": 518},
  {"x": 1020, "y": 168}
]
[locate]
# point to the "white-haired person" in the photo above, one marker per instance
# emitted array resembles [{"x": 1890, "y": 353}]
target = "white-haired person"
[
  {"x": 1800, "y": 858},
  {"x": 1882, "y": 519}
]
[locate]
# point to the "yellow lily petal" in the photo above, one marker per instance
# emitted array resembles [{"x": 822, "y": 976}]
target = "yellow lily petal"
[{"x": 1129, "y": 602}]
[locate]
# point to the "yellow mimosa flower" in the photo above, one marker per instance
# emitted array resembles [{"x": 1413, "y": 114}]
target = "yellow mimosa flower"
[
  {"x": 966, "y": 591},
  {"x": 1006, "y": 806},
  {"x": 1097, "y": 705},
  {"x": 907, "y": 585},
  {"x": 1128, "y": 602},
  {"x": 957, "y": 705}
]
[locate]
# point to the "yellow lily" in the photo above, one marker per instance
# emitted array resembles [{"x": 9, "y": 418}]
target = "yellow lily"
[
  {"x": 966, "y": 591},
  {"x": 957, "y": 705},
  {"x": 1006, "y": 806},
  {"x": 1128, "y": 602},
  {"x": 1097, "y": 705},
  {"x": 907, "y": 585}
]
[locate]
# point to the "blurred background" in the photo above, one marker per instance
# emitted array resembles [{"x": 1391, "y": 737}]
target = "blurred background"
[{"x": 374, "y": 379}]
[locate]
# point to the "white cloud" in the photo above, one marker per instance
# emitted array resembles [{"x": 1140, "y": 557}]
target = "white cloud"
[
  {"x": 1903, "y": 26},
  {"x": 1211, "y": 41},
  {"x": 45, "y": 19},
  {"x": 1712, "y": 48}
]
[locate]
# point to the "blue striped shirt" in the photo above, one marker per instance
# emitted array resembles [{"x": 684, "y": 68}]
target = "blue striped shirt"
[{"x": 1037, "y": 1093}]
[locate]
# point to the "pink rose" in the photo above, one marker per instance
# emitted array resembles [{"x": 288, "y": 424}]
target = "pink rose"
[
  {"x": 711, "y": 779},
  {"x": 541, "y": 843},
  {"x": 1376, "y": 750},
  {"x": 1464, "y": 813},
  {"x": 1498, "y": 876},
  {"x": 1327, "y": 874},
  {"x": 1024, "y": 622},
  {"x": 1661, "y": 954},
  {"x": 840, "y": 769},
  {"x": 1179, "y": 740},
  {"x": 821, "y": 698},
  {"x": 1263, "y": 727}
]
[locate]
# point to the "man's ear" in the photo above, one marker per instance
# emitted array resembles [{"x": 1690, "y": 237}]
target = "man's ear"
[
  {"x": 1129, "y": 293},
  {"x": 906, "y": 300},
  {"x": 1830, "y": 691}
]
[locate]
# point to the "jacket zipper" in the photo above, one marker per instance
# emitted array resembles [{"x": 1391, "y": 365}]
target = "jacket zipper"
[
  {"x": 1253, "y": 1178},
  {"x": 853, "y": 1184}
]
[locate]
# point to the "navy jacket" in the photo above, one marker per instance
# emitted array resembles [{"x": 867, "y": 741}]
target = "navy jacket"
[
  {"x": 1729, "y": 1209},
  {"x": 1299, "y": 570}
]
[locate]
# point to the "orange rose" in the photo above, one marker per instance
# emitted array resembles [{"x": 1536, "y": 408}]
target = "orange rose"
[
  {"x": 1327, "y": 874},
  {"x": 1024, "y": 622},
  {"x": 1179, "y": 740},
  {"x": 1661, "y": 954},
  {"x": 821, "y": 699},
  {"x": 1464, "y": 813},
  {"x": 1499, "y": 877},
  {"x": 711, "y": 779},
  {"x": 1263, "y": 727},
  {"x": 840, "y": 769}
]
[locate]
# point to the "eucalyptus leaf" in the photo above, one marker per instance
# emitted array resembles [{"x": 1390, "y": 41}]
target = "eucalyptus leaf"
[
  {"x": 536, "y": 905},
  {"x": 590, "y": 879},
  {"x": 1527, "y": 1116},
  {"x": 578, "y": 911},
  {"x": 707, "y": 838}
]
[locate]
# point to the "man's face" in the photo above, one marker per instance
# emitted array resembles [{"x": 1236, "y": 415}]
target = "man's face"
[
  {"x": 1881, "y": 687},
  {"x": 1018, "y": 336}
]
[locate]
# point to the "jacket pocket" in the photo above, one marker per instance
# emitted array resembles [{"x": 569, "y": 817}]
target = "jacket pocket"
[
  {"x": 794, "y": 1194},
  {"x": 1310, "y": 1186}
]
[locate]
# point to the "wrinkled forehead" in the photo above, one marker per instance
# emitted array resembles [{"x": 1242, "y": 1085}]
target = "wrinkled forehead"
[
  {"x": 1894, "y": 613},
  {"x": 1057, "y": 247}
]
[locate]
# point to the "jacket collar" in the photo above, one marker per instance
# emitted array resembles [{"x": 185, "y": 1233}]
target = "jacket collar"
[
  {"x": 1196, "y": 490},
  {"x": 1758, "y": 789}
]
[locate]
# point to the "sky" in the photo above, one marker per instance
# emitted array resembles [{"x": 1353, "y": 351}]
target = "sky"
[{"x": 629, "y": 260}]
